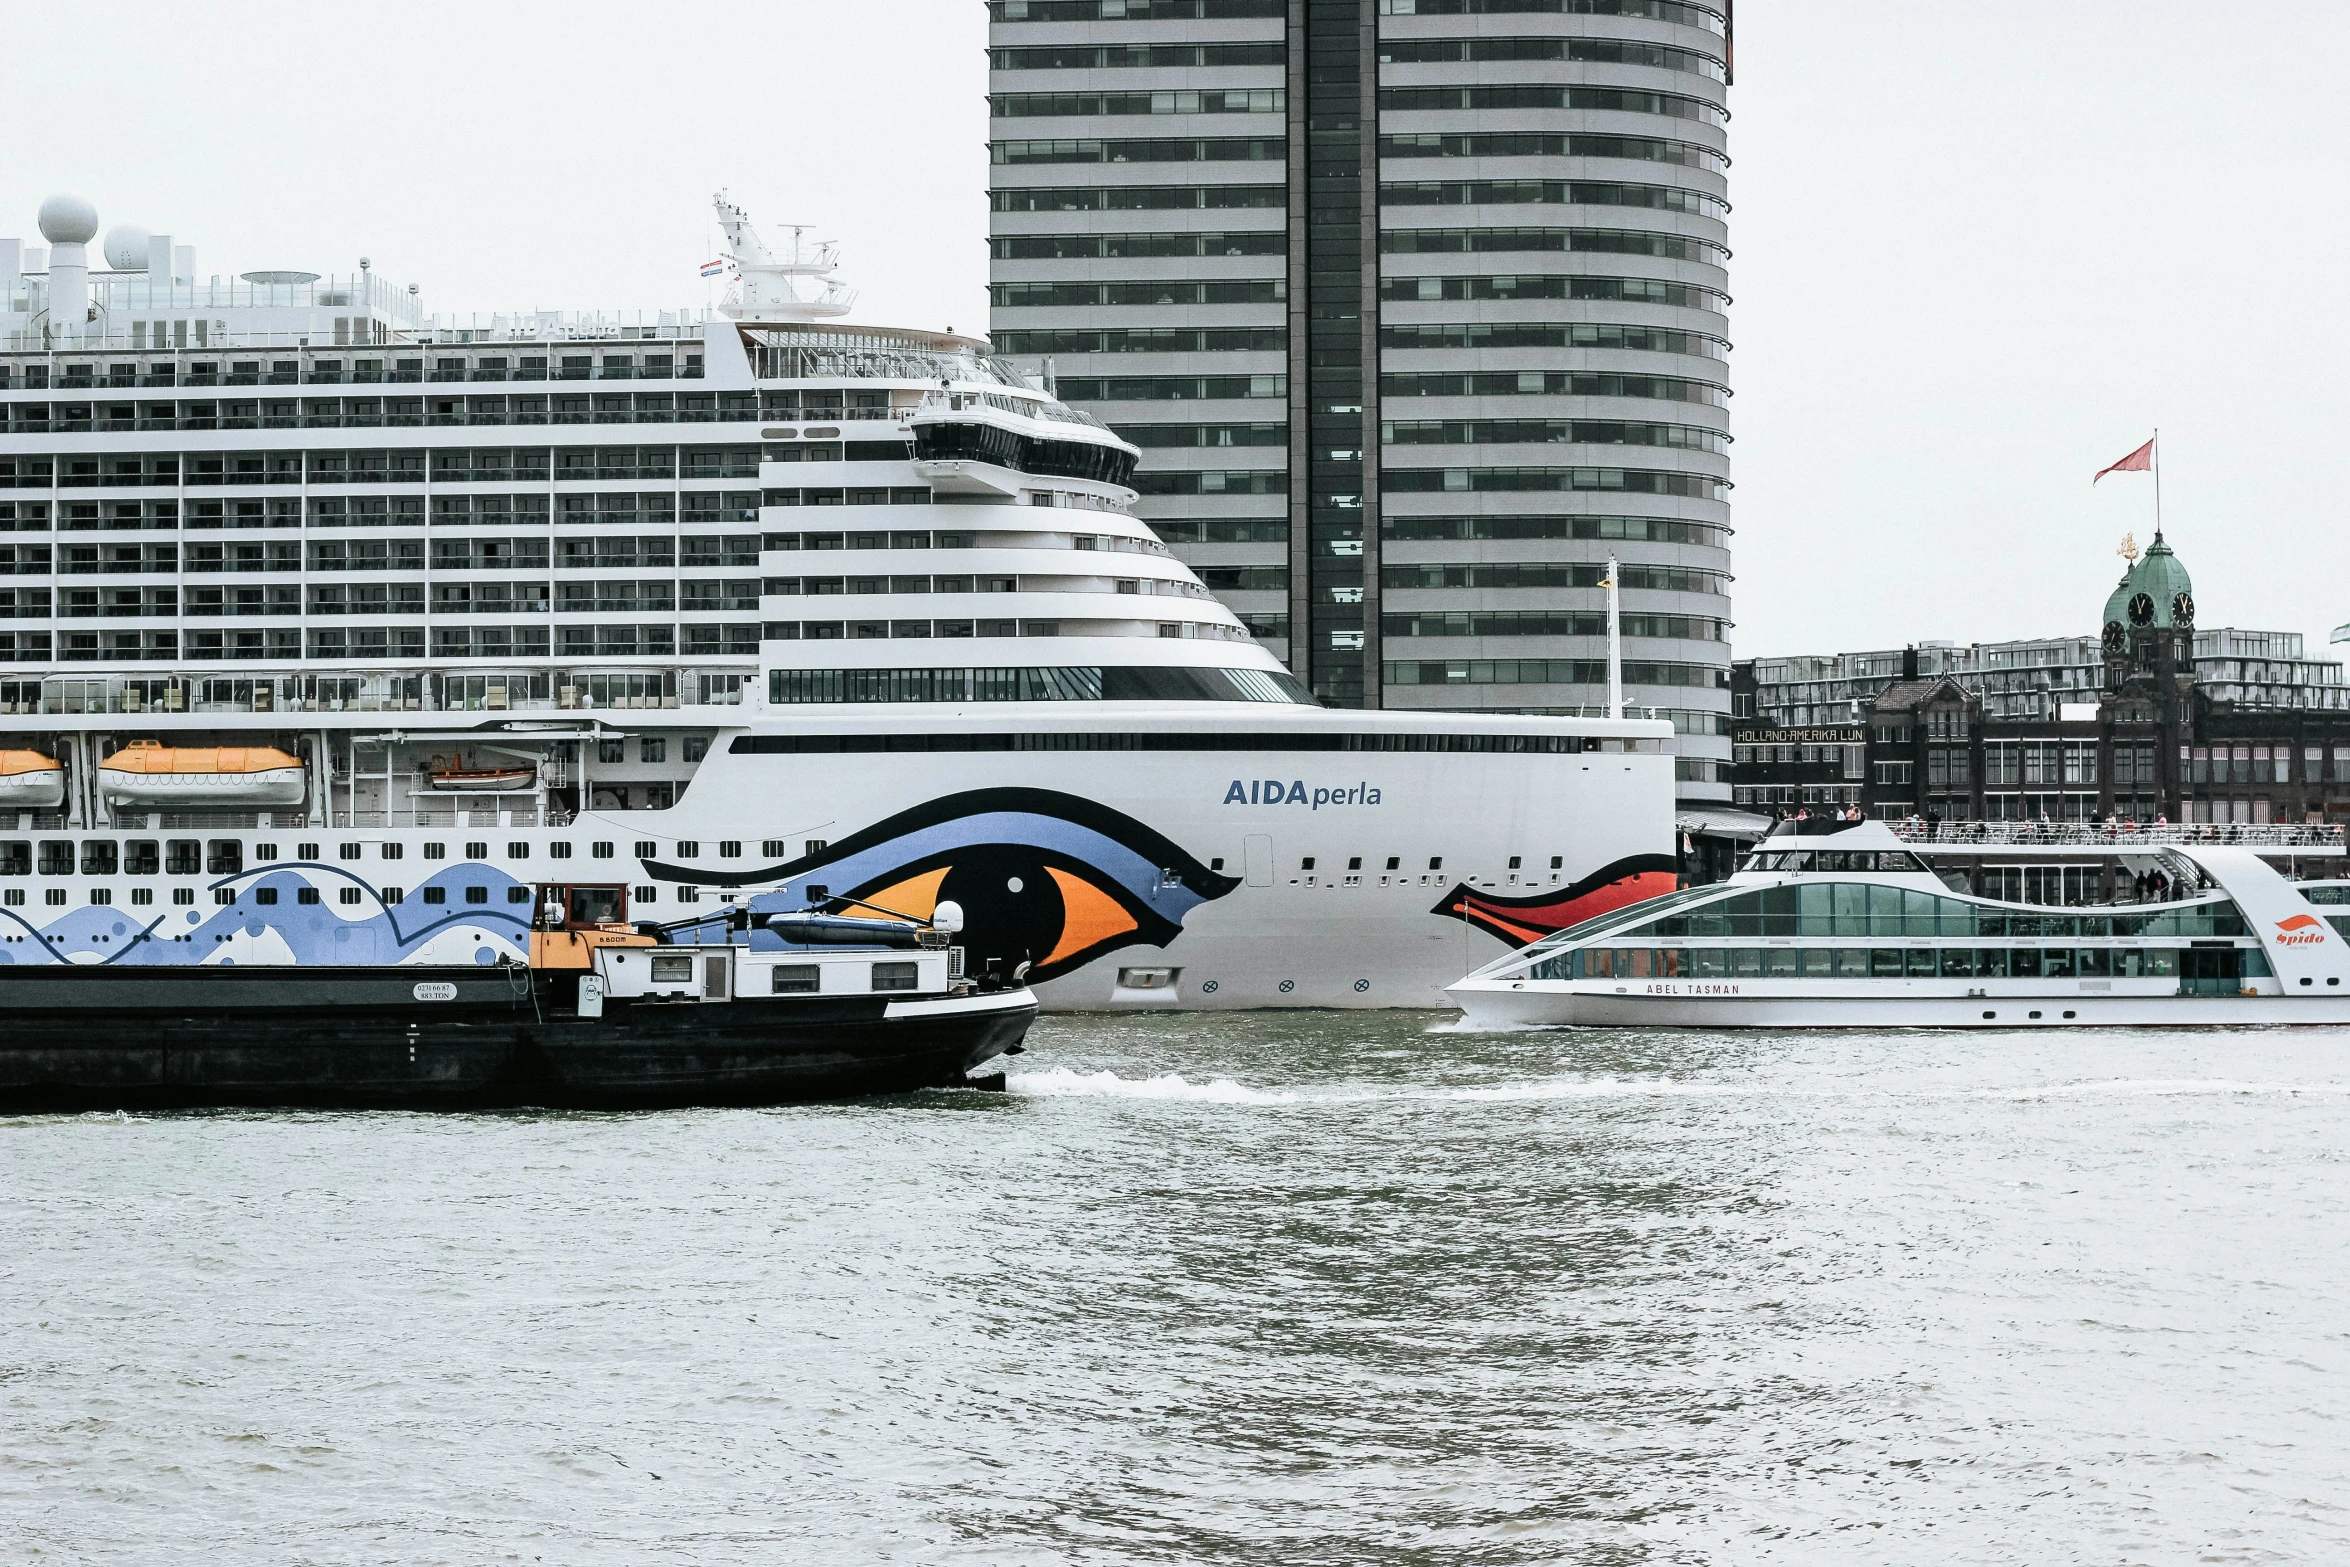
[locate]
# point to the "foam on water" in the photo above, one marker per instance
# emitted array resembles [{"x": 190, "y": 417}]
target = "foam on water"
[{"x": 1062, "y": 1083}]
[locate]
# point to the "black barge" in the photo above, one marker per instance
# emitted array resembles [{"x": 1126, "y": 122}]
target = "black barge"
[{"x": 625, "y": 1022}]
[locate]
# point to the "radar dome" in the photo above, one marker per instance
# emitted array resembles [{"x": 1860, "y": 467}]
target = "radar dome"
[
  {"x": 126, "y": 248},
  {"x": 68, "y": 220}
]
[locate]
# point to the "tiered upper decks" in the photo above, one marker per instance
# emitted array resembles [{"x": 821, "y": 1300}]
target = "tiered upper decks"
[{"x": 292, "y": 496}]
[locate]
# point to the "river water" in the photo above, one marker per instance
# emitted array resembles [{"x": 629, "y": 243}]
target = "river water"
[{"x": 1301, "y": 1288}]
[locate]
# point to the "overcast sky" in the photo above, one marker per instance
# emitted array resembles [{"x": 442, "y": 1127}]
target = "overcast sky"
[{"x": 1981, "y": 250}]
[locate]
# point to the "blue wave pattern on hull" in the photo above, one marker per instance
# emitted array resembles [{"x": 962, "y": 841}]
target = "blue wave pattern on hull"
[{"x": 289, "y": 931}]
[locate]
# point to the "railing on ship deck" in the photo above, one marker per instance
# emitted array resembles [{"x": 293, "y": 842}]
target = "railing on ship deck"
[{"x": 2026, "y": 835}]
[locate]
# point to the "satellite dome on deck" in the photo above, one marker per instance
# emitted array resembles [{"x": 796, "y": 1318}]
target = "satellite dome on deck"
[
  {"x": 126, "y": 247},
  {"x": 68, "y": 220}
]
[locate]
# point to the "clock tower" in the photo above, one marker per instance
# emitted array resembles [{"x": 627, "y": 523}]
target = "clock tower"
[{"x": 2149, "y": 647}]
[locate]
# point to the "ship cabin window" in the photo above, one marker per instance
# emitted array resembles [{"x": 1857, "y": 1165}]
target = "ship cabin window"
[
  {"x": 302, "y": 851},
  {"x": 518, "y": 851},
  {"x": 596, "y": 905},
  {"x": 477, "y": 894},
  {"x": 1306, "y": 864},
  {"x": 350, "y": 895},
  {"x": 394, "y": 851},
  {"x": 13, "y": 897},
  {"x": 101, "y": 895},
  {"x": 695, "y": 747},
  {"x": 269, "y": 894},
  {"x": 653, "y": 749},
  {"x": 477, "y": 850},
  {"x": 54, "y": 896},
  {"x": 57, "y": 857},
  {"x": 224, "y": 856},
  {"x": 436, "y": 851},
  {"x": 265, "y": 851},
  {"x": 16, "y": 857},
  {"x": 774, "y": 848},
  {"x": 182, "y": 857},
  {"x": 894, "y": 976},
  {"x": 301, "y": 895},
  {"x": 601, "y": 851},
  {"x": 1516, "y": 861},
  {"x": 517, "y": 894},
  {"x": 390, "y": 896},
  {"x": 1355, "y": 864},
  {"x": 436, "y": 894},
  {"x": 558, "y": 851},
  {"x": 181, "y": 897},
  {"x": 611, "y": 750},
  {"x": 1558, "y": 862},
  {"x": 730, "y": 849},
  {"x": 100, "y": 856},
  {"x": 1395, "y": 862},
  {"x": 224, "y": 896},
  {"x": 646, "y": 848},
  {"x": 141, "y": 896},
  {"x": 352, "y": 851},
  {"x": 795, "y": 979},
  {"x": 1436, "y": 863},
  {"x": 142, "y": 857}
]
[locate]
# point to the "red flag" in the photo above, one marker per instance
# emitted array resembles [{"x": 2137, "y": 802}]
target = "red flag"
[{"x": 2137, "y": 462}]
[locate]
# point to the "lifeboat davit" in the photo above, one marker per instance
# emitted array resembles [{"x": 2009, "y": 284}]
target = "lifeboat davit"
[
  {"x": 456, "y": 778},
  {"x": 30, "y": 781},
  {"x": 146, "y": 772}
]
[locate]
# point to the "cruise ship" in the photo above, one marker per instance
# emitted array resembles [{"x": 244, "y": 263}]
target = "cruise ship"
[{"x": 307, "y": 592}]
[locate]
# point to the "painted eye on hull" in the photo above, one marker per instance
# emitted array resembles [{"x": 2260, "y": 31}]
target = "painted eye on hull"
[
  {"x": 1524, "y": 919},
  {"x": 1022, "y": 904}
]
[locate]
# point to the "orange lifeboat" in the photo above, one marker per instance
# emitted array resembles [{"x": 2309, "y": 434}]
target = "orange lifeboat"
[
  {"x": 452, "y": 776},
  {"x": 146, "y": 772},
  {"x": 30, "y": 781}
]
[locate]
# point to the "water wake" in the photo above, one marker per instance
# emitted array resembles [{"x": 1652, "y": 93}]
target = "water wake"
[{"x": 1062, "y": 1083}]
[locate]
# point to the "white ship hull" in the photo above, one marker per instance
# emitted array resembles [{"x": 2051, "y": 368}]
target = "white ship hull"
[
  {"x": 273, "y": 786},
  {"x": 1115, "y": 877},
  {"x": 31, "y": 791},
  {"x": 1872, "y": 1005}
]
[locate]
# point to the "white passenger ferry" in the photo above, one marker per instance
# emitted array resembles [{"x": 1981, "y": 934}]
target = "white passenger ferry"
[
  {"x": 330, "y": 631},
  {"x": 1853, "y": 928}
]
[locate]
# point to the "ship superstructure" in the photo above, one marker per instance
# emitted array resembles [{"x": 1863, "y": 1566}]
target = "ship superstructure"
[{"x": 744, "y": 603}]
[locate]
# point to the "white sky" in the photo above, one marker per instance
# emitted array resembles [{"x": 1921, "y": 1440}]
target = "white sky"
[{"x": 1981, "y": 250}]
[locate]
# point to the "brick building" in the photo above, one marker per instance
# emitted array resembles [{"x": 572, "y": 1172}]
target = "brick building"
[{"x": 2169, "y": 729}]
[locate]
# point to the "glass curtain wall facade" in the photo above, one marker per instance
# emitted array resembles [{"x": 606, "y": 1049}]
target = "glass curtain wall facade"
[{"x": 1417, "y": 311}]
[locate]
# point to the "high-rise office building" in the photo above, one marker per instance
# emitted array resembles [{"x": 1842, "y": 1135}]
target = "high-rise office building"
[{"x": 1416, "y": 308}]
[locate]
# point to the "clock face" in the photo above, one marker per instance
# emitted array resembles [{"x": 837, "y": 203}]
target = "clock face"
[
  {"x": 2182, "y": 609},
  {"x": 2113, "y": 636},
  {"x": 2141, "y": 609}
]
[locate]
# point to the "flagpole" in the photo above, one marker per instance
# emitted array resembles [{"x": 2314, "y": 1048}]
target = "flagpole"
[{"x": 2158, "y": 481}]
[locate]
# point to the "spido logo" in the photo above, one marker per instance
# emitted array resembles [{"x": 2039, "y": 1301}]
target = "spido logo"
[{"x": 2302, "y": 930}]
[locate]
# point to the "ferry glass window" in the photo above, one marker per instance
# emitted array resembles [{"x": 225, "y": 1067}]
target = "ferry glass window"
[
  {"x": 225, "y": 856},
  {"x": 183, "y": 857},
  {"x": 99, "y": 857},
  {"x": 611, "y": 750},
  {"x": 57, "y": 856},
  {"x": 16, "y": 857}
]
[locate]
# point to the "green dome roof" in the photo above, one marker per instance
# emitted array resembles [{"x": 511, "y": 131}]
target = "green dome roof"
[{"x": 2159, "y": 575}]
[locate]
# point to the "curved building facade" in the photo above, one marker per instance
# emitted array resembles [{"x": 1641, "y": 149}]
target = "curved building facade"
[{"x": 1417, "y": 311}]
